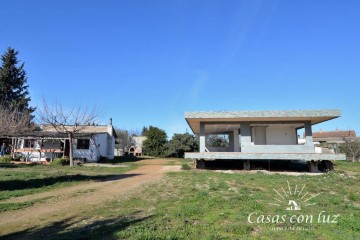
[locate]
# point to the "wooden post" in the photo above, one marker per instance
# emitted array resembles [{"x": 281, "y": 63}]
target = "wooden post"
[
  {"x": 64, "y": 148},
  {"x": 41, "y": 143}
]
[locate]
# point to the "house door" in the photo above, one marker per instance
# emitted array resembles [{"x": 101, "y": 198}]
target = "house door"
[
  {"x": 67, "y": 148},
  {"x": 260, "y": 135}
]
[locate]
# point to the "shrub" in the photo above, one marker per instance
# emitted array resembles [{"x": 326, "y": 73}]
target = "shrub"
[
  {"x": 185, "y": 166},
  {"x": 60, "y": 162},
  {"x": 5, "y": 159}
]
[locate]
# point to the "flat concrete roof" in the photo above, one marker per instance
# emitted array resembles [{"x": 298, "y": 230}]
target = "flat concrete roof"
[{"x": 277, "y": 116}]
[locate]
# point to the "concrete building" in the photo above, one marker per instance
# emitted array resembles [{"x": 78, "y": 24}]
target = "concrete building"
[
  {"x": 336, "y": 137},
  {"x": 136, "y": 148},
  {"x": 91, "y": 143},
  {"x": 260, "y": 135}
]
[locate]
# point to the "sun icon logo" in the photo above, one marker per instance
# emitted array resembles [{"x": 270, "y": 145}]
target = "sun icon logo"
[{"x": 294, "y": 198}]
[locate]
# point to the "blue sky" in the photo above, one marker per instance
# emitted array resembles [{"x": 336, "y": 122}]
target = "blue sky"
[{"x": 147, "y": 62}]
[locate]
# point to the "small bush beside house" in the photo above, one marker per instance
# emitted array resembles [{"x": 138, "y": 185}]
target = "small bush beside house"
[
  {"x": 185, "y": 166},
  {"x": 5, "y": 159},
  {"x": 60, "y": 162}
]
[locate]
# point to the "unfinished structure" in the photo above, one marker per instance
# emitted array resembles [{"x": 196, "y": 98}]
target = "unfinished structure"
[{"x": 260, "y": 135}]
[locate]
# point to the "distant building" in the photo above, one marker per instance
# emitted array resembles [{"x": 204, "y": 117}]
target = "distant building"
[
  {"x": 136, "y": 148},
  {"x": 337, "y": 136}
]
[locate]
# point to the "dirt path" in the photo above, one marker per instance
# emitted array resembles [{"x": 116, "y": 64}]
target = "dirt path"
[{"x": 71, "y": 201}]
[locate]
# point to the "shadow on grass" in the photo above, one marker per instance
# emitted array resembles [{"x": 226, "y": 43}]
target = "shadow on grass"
[
  {"x": 269, "y": 165},
  {"x": 77, "y": 229},
  {"x": 10, "y": 185},
  {"x": 11, "y": 165}
]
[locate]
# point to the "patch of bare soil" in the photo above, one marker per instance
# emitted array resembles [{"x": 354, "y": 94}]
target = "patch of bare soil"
[{"x": 70, "y": 202}]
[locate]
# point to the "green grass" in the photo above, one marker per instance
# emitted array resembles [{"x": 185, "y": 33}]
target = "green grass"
[
  {"x": 347, "y": 166},
  {"x": 14, "y": 206},
  {"x": 19, "y": 205},
  {"x": 209, "y": 205},
  {"x": 20, "y": 180},
  {"x": 179, "y": 161},
  {"x": 213, "y": 205}
]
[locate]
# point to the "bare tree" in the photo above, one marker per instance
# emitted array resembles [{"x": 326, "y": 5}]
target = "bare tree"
[
  {"x": 134, "y": 132},
  {"x": 123, "y": 139},
  {"x": 67, "y": 121},
  {"x": 13, "y": 122},
  {"x": 351, "y": 147}
]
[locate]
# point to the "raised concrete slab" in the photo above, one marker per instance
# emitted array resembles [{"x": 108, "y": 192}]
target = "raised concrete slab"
[{"x": 265, "y": 156}]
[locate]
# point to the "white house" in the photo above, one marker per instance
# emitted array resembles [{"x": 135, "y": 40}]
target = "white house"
[{"x": 91, "y": 143}]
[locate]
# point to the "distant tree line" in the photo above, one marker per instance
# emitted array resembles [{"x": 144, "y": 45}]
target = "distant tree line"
[{"x": 157, "y": 143}]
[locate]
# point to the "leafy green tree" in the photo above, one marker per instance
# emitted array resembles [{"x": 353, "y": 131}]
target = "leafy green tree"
[
  {"x": 144, "y": 131},
  {"x": 217, "y": 141},
  {"x": 181, "y": 143},
  {"x": 154, "y": 145},
  {"x": 13, "y": 89}
]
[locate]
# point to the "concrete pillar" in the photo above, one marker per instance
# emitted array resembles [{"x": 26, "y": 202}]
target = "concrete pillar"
[
  {"x": 313, "y": 166},
  {"x": 236, "y": 140},
  {"x": 245, "y": 136},
  {"x": 202, "y": 137},
  {"x": 247, "y": 165},
  {"x": 200, "y": 164},
  {"x": 308, "y": 134},
  {"x": 231, "y": 142}
]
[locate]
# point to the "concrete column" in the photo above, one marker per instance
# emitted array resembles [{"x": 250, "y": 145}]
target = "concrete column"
[
  {"x": 247, "y": 165},
  {"x": 231, "y": 142},
  {"x": 200, "y": 164},
  {"x": 308, "y": 134},
  {"x": 202, "y": 137},
  {"x": 236, "y": 141},
  {"x": 245, "y": 135},
  {"x": 313, "y": 166}
]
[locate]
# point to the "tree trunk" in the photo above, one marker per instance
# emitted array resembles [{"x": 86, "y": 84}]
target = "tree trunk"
[
  {"x": 71, "y": 149},
  {"x": 13, "y": 143}
]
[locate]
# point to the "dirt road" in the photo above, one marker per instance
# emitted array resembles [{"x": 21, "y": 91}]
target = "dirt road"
[{"x": 70, "y": 202}]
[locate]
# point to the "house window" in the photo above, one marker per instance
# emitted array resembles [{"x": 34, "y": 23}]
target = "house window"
[
  {"x": 83, "y": 144},
  {"x": 29, "y": 143}
]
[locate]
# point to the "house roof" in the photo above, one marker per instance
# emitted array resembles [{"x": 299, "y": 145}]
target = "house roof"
[
  {"x": 88, "y": 129},
  {"x": 49, "y": 131},
  {"x": 236, "y": 117},
  {"x": 50, "y": 135},
  {"x": 335, "y": 134}
]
